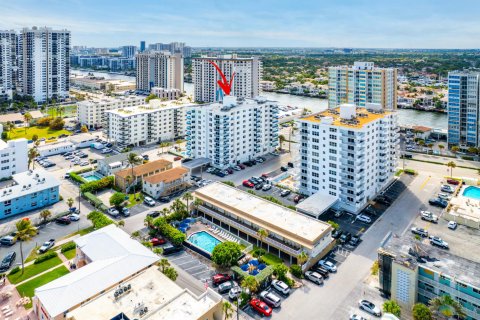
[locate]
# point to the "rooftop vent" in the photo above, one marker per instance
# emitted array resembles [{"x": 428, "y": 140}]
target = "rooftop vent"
[{"x": 347, "y": 111}]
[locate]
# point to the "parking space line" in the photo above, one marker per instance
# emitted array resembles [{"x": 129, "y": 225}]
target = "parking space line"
[
  {"x": 425, "y": 183},
  {"x": 195, "y": 266}
]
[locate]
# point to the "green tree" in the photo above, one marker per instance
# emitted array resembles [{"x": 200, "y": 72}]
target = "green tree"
[
  {"x": 148, "y": 221},
  {"x": 333, "y": 224},
  {"x": 35, "y": 138},
  {"x": 45, "y": 214},
  {"x": 32, "y": 154},
  {"x": 121, "y": 223},
  {"x": 187, "y": 197},
  {"x": 134, "y": 160},
  {"x": 70, "y": 202},
  {"x": 421, "y": 312},
  {"x": 164, "y": 145},
  {"x": 441, "y": 147},
  {"x": 151, "y": 96},
  {"x": 171, "y": 273},
  {"x": 25, "y": 232},
  {"x": 178, "y": 207},
  {"x": 392, "y": 307},
  {"x": 163, "y": 264},
  {"x": 280, "y": 270},
  {"x": 250, "y": 283},
  {"x": 196, "y": 203},
  {"x": 452, "y": 165},
  {"x": 227, "y": 310},
  {"x": 117, "y": 199},
  {"x": 455, "y": 149},
  {"x": 375, "y": 268},
  {"x": 226, "y": 254},
  {"x": 281, "y": 139},
  {"x": 302, "y": 258},
  {"x": 27, "y": 117},
  {"x": 165, "y": 212},
  {"x": 84, "y": 129},
  {"x": 472, "y": 150},
  {"x": 158, "y": 251},
  {"x": 445, "y": 307},
  {"x": 262, "y": 234}
]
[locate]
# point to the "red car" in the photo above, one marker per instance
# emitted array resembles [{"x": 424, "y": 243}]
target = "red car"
[
  {"x": 248, "y": 184},
  {"x": 454, "y": 182},
  {"x": 241, "y": 166},
  {"x": 261, "y": 307},
  {"x": 264, "y": 175},
  {"x": 177, "y": 158},
  {"x": 220, "y": 278},
  {"x": 157, "y": 241}
]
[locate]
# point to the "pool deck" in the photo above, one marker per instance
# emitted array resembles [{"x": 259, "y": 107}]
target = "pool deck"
[{"x": 464, "y": 210}]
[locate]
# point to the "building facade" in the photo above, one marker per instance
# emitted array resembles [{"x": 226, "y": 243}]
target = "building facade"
[
  {"x": 232, "y": 131},
  {"x": 128, "y": 51},
  {"x": 91, "y": 113},
  {"x": 155, "y": 122},
  {"x": 166, "y": 94},
  {"x": 463, "y": 108},
  {"x": 138, "y": 173},
  {"x": 30, "y": 190},
  {"x": 8, "y": 62},
  {"x": 44, "y": 68},
  {"x": 159, "y": 69},
  {"x": 13, "y": 157},
  {"x": 362, "y": 83},
  {"x": 166, "y": 182},
  {"x": 246, "y": 82},
  {"x": 348, "y": 152}
]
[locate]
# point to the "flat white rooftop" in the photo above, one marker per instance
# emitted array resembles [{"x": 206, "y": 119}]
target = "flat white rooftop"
[
  {"x": 279, "y": 219},
  {"x": 153, "y": 106},
  {"x": 316, "y": 204},
  {"x": 28, "y": 182}
]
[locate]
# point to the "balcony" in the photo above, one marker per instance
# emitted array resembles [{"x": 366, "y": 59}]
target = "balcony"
[{"x": 251, "y": 231}]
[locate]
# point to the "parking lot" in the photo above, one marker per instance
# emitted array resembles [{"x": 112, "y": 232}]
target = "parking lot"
[{"x": 195, "y": 265}]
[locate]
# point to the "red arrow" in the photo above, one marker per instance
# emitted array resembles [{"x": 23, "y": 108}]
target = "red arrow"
[{"x": 223, "y": 84}]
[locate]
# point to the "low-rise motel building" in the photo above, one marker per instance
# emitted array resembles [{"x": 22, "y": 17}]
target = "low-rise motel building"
[{"x": 243, "y": 214}]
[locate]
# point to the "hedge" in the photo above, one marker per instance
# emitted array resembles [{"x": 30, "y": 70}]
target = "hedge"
[
  {"x": 15, "y": 270},
  {"x": 95, "y": 201},
  {"x": 68, "y": 246},
  {"x": 83, "y": 170},
  {"x": 410, "y": 171},
  {"x": 46, "y": 256},
  {"x": 98, "y": 185},
  {"x": 98, "y": 219},
  {"x": 174, "y": 235},
  {"x": 260, "y": 277},
  {"x": 75, "y": 177},
  {"x": 296, "y": 270}
]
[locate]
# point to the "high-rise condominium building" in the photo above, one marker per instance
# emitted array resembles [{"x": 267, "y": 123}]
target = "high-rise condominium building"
[
  {"x": 128, "y": 51},
  {"x": 232, "y": 131},
  {"x": 348, "y": 152},
  {"x": 246, "y": 82},
  {"x": 159, "y": 69},
  {"x": 463, "y": 108},
  {"x": 44, "y": 63},
  {"x": 142, "y": 46},
  {"x": 151, "y": 123},
  {"x": 8, "y": 62},
  {"x": 173, "y": 47},
  {"x": 361, "y": 84}
]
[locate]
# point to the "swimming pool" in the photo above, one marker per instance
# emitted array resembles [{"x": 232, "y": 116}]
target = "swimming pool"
[
  {"x": 91, "y": 176},
  {"x": 204, "y": 241},
  {"x": 472, "y": 192}
]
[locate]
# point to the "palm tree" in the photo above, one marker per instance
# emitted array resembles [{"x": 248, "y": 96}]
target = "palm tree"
[
  {"x": 60, "y": 110},
  {"x": 45, "y": 214},
  {"x": 262, "y": 234},
  {"x": 441, "y": 147},
  {"x": 165, "y": 212},
  {"x": 430, "y": 146},
  {"x": 148, "y": 221},
  {"x": 70, "y": 202},
  {"x": 133, "y": 160},
  {"x": 445, "y": 307},
  {"x": 302, "y": 258},
  {"x": 32, "y": 154},
  {"x": 227, "y": 310},
  {"x": 452, "y": 166},
  {"x": 250, "y": 283},
  {"x": 25, "y": 232},
  {"x": 282, "y": 139},
  {"x": 163, "y": 264},
  {"x": 27, "y": 117},
  {"x": 164, "y": 145},
  {"x": 472, "y": 150},
  {"x": 455, "y": 149},
  {"x": 187, "y": 197},
  {"x": 196, "y": 203}
]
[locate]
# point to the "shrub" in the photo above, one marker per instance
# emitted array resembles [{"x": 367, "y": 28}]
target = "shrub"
[
  {"x": 15, "y": 270},
  {"x": 117, "y": 199},
  {"x": 83, "y": 170},
  {"x": 95, "y": 201},
  {"x": 46, "y": 256},
  {"x": 392, "y": 307},
  {"x": 75, "y": 177},
  {"x": 229, "y": 183},
  {"x": 98, "y": 219},
  {"x": 296, "y": 270},
  {"x": 43, "y": 122},
  {"x": 98, "y": 185},
  {"x": 467, "y": 158},
  {"x": 56, "y": 124},
  {"x": 409, "y": 171},
  {"x": 258, "y": 252},
  {"x": 68, "y": 246},
  {"x": 226, "y": 254},
  {"x": 174, "y": 235}
]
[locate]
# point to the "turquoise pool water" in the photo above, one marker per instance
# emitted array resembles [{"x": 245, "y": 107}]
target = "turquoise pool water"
[
  {"x": 472, "y": 192},
  {"x": 204, "y": 241},
  {"x": 91, "y": 177}
]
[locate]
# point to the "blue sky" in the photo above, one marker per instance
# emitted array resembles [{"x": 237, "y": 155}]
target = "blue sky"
[{"x": 265, "y": 23}]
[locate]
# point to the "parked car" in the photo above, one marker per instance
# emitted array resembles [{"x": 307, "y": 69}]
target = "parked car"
[
  {"x": 329, "y": 266},
  {"x": 241, "y": 166},
  {"x": 226, "y": 286},
  {"x": 247, "y": 184},
  {"x": 153, "y": 214},
  {"x": 237, "y": 168},
  {"x": 364, "y": 218},
  {"x": 113, "y": 212},
  {"x": 323, "y": 272},
  {"x": 452, "y": 225},
  {"x": 234, "y": 293},
  {"x": 171, "y": 249},
  {"x": 438, "y": 202},
  {"x": 384, "y": 200},
  {"x": 126, "y": 211},
  {"x": 265, "y": 175},
  {"x": 149, "y": 201},
  {"x": 315, "y": 277},
  {"x": 157, "y": 241},
  {"x": 8, "y": 240},
  {"x": 266, "y": 187},
  {"x": 7, "y": 261},
  {"x": 285, "y": 193},
  {"x": 419, "y": 231},
  {"x": 281, "y": 287},
  {"x": 63, "y": 220},
  {"x": 447, "y": 188},
  {"x": 453, "y": 181},
  {"x": 336, "y": 233},
  {"x": 74, "y": 217},
  {"x": 165, "y": 199},
  {"x": 345, "y": 237},
  {"x": 220, "y": 278},
  {"x": 444, "y": 196},
  {"x": 271, "y": 299},
  {"x": 357, "y": 317},
  {"x": 354, "y": 241},
  {"x": 298, "y": 198},
  {"x": 439, "y": 242},
  {"x": 369, "y": 307},
  {"x": 46, "y": 246},
  {"x": 283, "y": 168},
  {"x": 259, "y": 186},
  {"x": 428, "y": 216},
  {"x": 261, "y": 307}
]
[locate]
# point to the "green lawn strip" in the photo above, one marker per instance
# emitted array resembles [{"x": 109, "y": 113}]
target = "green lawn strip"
[
  {"x": 132, "y": 201},
  {"x": 271, "y": 259},
  {"x": 69, "y": 111},
  {"x": 80, "y": 232},
  {"x": 28, "y": 288},
  {"x": 41, "y": 132},
  {"x": 32, "y": 255},
  {"x": 442, "y": 164},
  {"x": 60, "y": 246},
  {"x": 33, "y": 270},
  {"x": 70, "y": 254}
]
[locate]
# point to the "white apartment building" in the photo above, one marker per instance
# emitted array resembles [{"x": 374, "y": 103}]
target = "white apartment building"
[
  {"x": 13, "y": 157},
  {"x": 146, "y": 124},
  {"x": 232, "y": 131},
  {"x": 159, "y": 69},
  {"x": 348, "y": 152},
  {"x": 92, "y": 112},
  {"x": 44, "y": 63},
  {"x": 166, "y": 94},
  {"x": 8, "y": 62},
  {"x": 362, "y": 83},
  {"x": 246, "y": 83}
]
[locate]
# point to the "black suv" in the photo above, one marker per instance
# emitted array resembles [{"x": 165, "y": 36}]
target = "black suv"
[
  {"x": 7, "y": 261},
  {"x": 170, "y": 249},
  {"x": 344, "y": 238}
]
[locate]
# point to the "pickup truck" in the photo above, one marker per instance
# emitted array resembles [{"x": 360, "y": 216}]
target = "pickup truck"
[
  {"x": 428, "y": 216},
  {"x": 46, "y": 246}
]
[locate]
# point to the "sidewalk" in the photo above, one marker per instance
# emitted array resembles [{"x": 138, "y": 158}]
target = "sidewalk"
[{"x": 57, "y": 244}]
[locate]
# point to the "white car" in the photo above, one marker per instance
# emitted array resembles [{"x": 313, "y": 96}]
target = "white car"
[
  {"x": 210, "y": 170},
  {"x": 266, "y": 187},
  {"x": 315, "y": 277},
  {"x": 149, "y": 201},
  {"x": 234, "y": 293},
  {"x": 428, "y": 216},
  {"x": 439, "y": 242},
  {"x": 369, "y": 307},
  {"x": 329, "y": 266},
  {"x": 237, "y": 168},
  {"x": 113, "y": 212},
  {"x": 452, "y": 225},
  {"x": 74, "y": 217},
  {"x": 281, "y": 287},
  {"x": 444, "y": 196},
  {"x": 357, "y": 317},
  {"x": 271, "y": 299},
  {"x": 364, "y": 218},
  {"x": 447, "y": 188},
  {"x": 106, "y": 150}
]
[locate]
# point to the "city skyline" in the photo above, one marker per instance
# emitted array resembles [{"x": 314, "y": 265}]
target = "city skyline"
[{"x": 419, "y": 24}]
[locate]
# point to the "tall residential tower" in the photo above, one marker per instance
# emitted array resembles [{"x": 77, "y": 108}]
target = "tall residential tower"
[
  {"x": 8, "y": 63},
  {"x": 159, "y": 69}
]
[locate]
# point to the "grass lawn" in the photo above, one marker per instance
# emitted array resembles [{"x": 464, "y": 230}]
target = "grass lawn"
[
  {"x": 41, "y": 132},
  {"x": 33, "y": 254},
  {"x": 28, "y": 288},
  {"x": 33, "y": 270},
  {"x": 70, "y": 254},
  {"x": 81, "y": 232},
  {"x": 60, "y": 246},
  {"x": 271, "y": 259},
  {"x": 132, "y": 201},
  {"x": 70, "y": 111}
]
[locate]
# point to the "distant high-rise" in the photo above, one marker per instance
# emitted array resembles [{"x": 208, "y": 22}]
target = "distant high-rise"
[
  {"x": 142, "y": 46},
  {"x": 128, "y": 51},
  {"x": 159, "y": 69},
  {"x": 44, "y": 63},
  {"x": 463, "y": 108},
  {"x": 361, "y": 84},
  {"x": 8, "y": 62},
  {"x": 246, "y": 82},
  {"x": 173, "y": 47}
]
